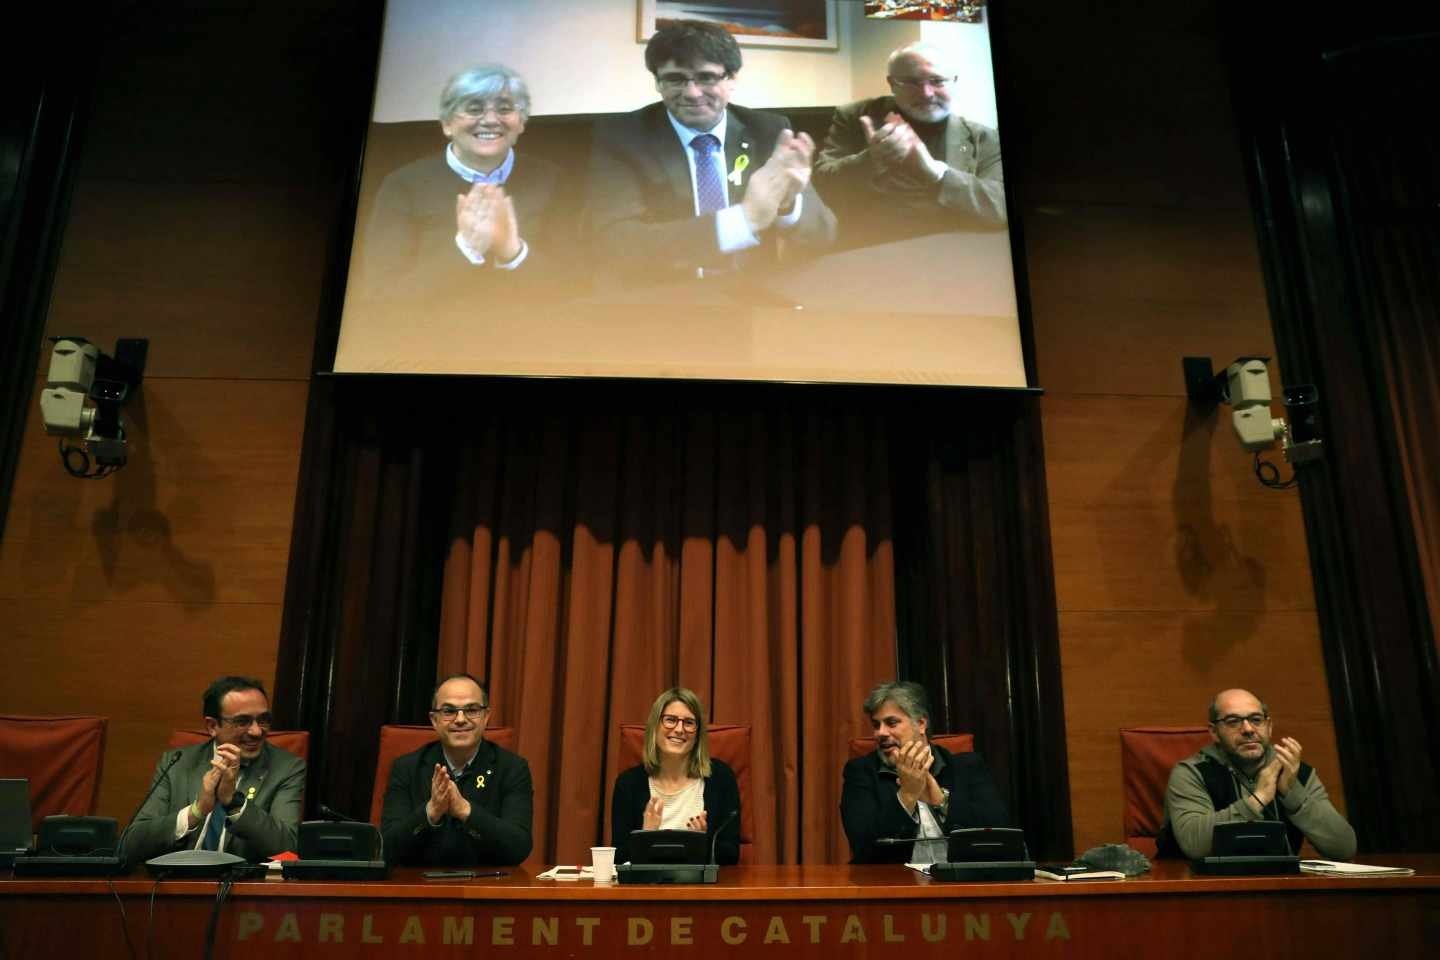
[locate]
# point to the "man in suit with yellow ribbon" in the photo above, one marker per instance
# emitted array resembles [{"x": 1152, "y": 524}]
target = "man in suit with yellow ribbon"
[
  {"x": 461, "y": 800},
  {"x": 695, "y": 186}
]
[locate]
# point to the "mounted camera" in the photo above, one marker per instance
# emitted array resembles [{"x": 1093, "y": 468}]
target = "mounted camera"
[
  {"x": 1245, "y": 387},
  {"x": 83, "y": 394}
]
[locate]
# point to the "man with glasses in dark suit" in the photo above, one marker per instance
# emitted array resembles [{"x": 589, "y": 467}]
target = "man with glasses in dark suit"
[
  {"x": 461, "y": 800},
  {"x": 234, "y": 793},
  {"x": 1244, "y": 776},
  {"x": 695, "y": 186}
]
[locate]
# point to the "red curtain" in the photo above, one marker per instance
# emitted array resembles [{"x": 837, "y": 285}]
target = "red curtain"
[{"x": 596, "y": 560}]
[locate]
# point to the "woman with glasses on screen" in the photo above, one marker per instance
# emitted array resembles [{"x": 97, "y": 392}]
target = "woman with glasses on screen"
[
  {"x": 678, "y": 785},
  {"x": 471, "y": 219}
]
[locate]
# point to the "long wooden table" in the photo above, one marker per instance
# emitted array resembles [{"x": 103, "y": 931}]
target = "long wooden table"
[{"x": 797, "y": 911}]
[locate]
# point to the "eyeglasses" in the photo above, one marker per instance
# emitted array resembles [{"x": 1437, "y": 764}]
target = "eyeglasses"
[
  {"x": 671, "y": 722},
  {"x": 679, "y": 81},
  {"x": 449, "y": 711},
  {"x": 475, "y": 109},
  {"x": 919, "y": 83},
  {"x": 1232, "y": 721},
  {"x": 244, "y": 720}
]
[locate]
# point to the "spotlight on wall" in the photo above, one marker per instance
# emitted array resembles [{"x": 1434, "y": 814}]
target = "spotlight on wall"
[
  {"x": 1244, "y": 386},
  {"x": 83, "y": 394}
]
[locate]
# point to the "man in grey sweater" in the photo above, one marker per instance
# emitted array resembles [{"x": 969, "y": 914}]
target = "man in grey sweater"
[{"x": 1244, "y": 776}]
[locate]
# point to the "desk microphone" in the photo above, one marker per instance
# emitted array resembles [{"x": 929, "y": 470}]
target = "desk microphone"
[
  {"x": 715, "y": 840},
  {"x": 1265, "y": 809},
  {"x": 330, "y": 813},
  {"x": 173, "y": 759}
]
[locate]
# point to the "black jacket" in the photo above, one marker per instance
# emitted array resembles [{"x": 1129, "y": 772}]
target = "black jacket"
[
  {"x": 722, "y": 795},
  {"x": 870, "y": 811},
  {"x": 641, "y": 205},
  {"x": 497, "y": 784}
]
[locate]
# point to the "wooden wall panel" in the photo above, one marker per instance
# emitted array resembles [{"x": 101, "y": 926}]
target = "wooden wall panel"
[
  {"x": 126, "y": 596},
  {"x": 1176, "y": 573},
  {"x": 212, "y": 163},
  {"x": 223, "y": 278},
  {"x": 200, "y": 515},
  {"x": 143, "y": 664},
  {"x": 1120, "y": 294},
  {"x": 1158, "y": 509},
  {"x": 1139, "y": 668}
]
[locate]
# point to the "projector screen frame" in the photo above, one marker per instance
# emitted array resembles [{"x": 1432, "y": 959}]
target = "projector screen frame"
[{"x": 328, "y": 334}]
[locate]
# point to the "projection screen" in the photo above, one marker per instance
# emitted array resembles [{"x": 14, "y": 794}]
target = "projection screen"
[{"x": 559, "y": 226}]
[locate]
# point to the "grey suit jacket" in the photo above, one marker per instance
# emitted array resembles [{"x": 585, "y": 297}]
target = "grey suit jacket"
[
  {"x": 268, "y": 824},
  {"x": 642, "y": 209}
]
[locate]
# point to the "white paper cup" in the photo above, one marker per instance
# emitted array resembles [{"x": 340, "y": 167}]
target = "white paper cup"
[{"x": 603, "y": 860}]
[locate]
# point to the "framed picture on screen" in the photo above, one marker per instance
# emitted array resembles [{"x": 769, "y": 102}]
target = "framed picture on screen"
[{"x": 768, "y": 23}]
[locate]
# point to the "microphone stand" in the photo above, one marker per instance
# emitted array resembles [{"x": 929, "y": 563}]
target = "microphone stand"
[{"x": 120, "y": 844}]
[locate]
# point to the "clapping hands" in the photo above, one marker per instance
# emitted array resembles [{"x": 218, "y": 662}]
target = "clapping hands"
[
  {"x": 445, "y": 797},
  {"x": 485, "y": 219},
  {"x": 655, "y": 809},
  {"x": 772, "y": 190},
  {"x": 219, "y": 781},
  {"x": 895, "y": 147}
]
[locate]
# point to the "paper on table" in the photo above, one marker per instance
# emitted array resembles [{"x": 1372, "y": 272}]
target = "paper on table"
[
  {"x": 922, "y": 867},
  {"x": 567, "y": 872},
  {"x": 1332, "y": 868},
  {"x": 1042, "y": 874}
]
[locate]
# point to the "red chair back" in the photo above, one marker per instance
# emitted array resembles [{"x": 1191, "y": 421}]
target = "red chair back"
[
  {"x": 398, "y": 739},
  {"x": 1147, "y": 755},
  {"x": 729, "y": 742},
  {"x": 954, "y": 742},
  {"x": 62, "y": 757},
  {"x": 292, "y": 741}
]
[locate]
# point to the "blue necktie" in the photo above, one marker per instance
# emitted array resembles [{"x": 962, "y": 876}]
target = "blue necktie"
[
  {"x": 709, "y": 188},
  {"x": 214, "y": 827}
]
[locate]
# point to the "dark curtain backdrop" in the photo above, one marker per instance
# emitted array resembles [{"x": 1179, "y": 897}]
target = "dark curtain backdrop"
[
  {"x": 1390, "y": 174},
  {"x": 42, "y": 113},
  {"x": 584, "y": 545},
  {"x": 1337, "y": 117}
]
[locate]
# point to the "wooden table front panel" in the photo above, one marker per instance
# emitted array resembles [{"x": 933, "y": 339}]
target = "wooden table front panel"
[{"x": 829, "y": 912}]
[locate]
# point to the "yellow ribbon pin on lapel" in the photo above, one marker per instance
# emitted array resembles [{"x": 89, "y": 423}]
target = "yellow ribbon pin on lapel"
[
  {"x": 480, "y": 781},
  {"x": 742, "y": 163}
]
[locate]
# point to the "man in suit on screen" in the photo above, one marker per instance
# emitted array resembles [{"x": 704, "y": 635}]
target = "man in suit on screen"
[
  {"x": 234, "y": 793},
  {"x": 695, "y": 186}
]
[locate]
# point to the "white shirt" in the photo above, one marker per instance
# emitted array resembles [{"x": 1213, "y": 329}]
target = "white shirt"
[
  {"x": 497, "y": 176},
  {"x": 931, "y": 847},
  {"x": 683, "y": 805},
  {"x": 732, "y": 230}
]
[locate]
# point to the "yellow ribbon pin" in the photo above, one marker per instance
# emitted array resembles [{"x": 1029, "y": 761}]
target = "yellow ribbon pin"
[
  {"x": 480, "y": 781},
  {"x": 742, "y": 163},
  {"x": 250, "y": 794}
]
